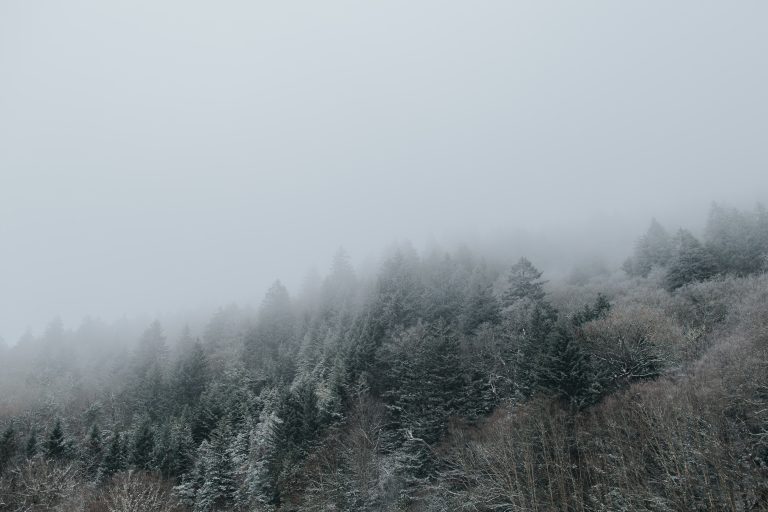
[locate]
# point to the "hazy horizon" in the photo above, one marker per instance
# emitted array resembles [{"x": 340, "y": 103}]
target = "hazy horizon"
[{"x": 158, "y": 157}]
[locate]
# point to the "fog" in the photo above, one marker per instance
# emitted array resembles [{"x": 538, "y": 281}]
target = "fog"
[{"x": 173, "y": 155}]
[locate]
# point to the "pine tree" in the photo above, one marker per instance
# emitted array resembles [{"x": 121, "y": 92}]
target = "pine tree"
[
  {"x": 114, "y": 460},
  {"x": 30, "y": 447},
  {"x": 192, "y": 375},
  {"x": 152, "y": 350},
  {"x": 93, "y": 451},
  {"x": 480, "y": 304},
  {"x": 592, "y": 312},
  {"x": 273, "y": 335},
  {"x": 56, "y": 446},
  {"x": 142, "y": 445},
  {"x": 8, "y": 448},
  {"x": 654, "y": 249},
  {"x": 738, "y": 240},
  {"x": 218, "y": 487},
  {"x": 523, "y": 282},
  {"x": 182, "y": 448},
  {"x": 692, "y": 262},
  {"x": 566, "y": 372},
  {"x": 426, "y": 382}
]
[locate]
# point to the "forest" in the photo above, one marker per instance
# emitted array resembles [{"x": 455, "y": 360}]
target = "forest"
[{"x": 447, "y": 381}]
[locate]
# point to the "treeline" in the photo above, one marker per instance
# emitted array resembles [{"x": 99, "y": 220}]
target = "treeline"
[{"x": 444, "y": 383}]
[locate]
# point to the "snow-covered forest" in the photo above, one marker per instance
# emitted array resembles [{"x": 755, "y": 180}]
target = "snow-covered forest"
[{"x": 445, "y": 381}]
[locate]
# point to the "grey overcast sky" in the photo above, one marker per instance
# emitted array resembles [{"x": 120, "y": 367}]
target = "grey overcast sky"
[{"x": 162, "y": 154}]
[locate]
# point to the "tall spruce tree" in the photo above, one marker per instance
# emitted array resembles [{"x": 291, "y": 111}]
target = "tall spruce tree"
[
  {"x": 56, "y": 445},
  {"x": 523, "y": 282}
]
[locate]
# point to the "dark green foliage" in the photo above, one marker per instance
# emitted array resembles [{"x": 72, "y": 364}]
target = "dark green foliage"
[
  {"x": 426, "y": 381},
  {"x": 191, "y": 375},
  {"x": 300, "y": 417},
  {"x": 8, "y": 447},
  {"x": 30, "y": 447},
  {"x": 567, "y": 373},
  {"x": 56, "y": 445},
  {"x": 93, "y": 451},
  {"x": 114, "y": 460},
  {"x": 142, "y": 445},
  {"x": 692, "y": 262}
]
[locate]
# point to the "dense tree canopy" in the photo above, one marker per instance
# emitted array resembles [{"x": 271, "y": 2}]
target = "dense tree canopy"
[{"x": 444, "y": 382}]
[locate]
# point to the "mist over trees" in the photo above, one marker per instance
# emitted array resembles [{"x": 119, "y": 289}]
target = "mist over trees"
[{"x": 445, "y": 381}]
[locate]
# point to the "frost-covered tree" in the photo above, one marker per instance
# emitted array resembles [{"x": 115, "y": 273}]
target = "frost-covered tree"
[
  {"x": 56, "y": 445},
  {"x": 523, "y": 282},
  {"x": 654, "y": 249},
  {"x": 566, "y": 371},
  {"x": 738, "y": 240},
  {"x": 93, "y": 451},
  {"x": 480, "y": 305},
  {"x": 692, "y": 262}
]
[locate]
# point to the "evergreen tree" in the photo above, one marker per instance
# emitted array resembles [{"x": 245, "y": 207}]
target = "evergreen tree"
[
  {"x": 300, "y": 417},
  {"x": 152, "y": 350},
  {"x": 217, "y": 490},
  {"x": 114, "y": 459},
  {"x": 426, "y": 381},
  {"x": 56, "y": 446},
  {"x": 692, "y": 262},
  {"x": 567, "y": 373},
  {"x": 738, "y": 240},
  {"x": 267, "y": 346},
  {"x": 192, "y": 375},
  {"x": 182, "y": 448},
  {"x": 399, "y": 296},
  {"x": 142, "y": 445},
  {"x": 592, "y": 312},
  {"x": 8, "y": 448},
  {"x": 654, "y": 249},
  {"x": 30, "y": 447},
  {"x": 523, "y": 282},
  {"x": 480, "y": 304},
  {"x": 93, "y": 451},
  {"x": 339, "y": 287}
]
